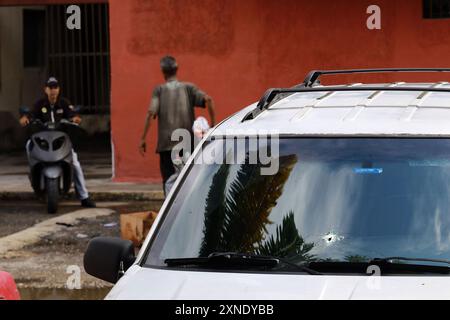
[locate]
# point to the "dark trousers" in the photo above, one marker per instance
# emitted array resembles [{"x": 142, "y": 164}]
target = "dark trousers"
[{"x": 166, "y": 166}]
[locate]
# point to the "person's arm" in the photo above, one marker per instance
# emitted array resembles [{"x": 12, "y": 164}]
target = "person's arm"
[
  {"x": 151, "y": 114},
  {"x": 24, "y": 120},
  {"x": 143, "y": 144},
  {"x": 203, "y": 100},
  {"x": 70, "y": 113},
  {"x": 209, "y": 103},
  {"x": 76, "y": 119}
]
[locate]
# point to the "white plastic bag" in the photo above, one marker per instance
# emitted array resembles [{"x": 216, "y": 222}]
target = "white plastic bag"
[{"x": 200, "y": 128}]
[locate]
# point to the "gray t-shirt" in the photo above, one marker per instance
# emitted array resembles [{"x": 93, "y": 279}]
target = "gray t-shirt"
[{"x": 173, "y": 103}]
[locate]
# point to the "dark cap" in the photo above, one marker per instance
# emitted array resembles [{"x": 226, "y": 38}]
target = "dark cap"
[{"x": 52, "y": 82}]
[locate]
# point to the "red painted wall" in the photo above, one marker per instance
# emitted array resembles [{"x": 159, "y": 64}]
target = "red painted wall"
[{"x": 234, "y": 50}]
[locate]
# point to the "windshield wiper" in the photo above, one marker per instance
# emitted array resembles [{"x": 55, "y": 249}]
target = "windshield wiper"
[
  {"x": 389, "y": 265},
  {"x": 235, "y": 259},
  {"x": 389, "y": 259},
  {"x": 393, "y": 264}
]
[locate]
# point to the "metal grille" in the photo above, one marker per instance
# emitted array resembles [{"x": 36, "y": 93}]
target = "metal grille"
[
  {"x": 436, "y": 9},
  {"x": 80, "y": 58}
]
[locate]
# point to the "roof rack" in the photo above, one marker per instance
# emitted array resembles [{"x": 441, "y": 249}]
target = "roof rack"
[
  {"x": 314, "y": 75},
  {"x": 270, "y": 94}
]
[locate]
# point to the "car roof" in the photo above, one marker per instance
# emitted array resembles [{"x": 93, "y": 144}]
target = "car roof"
[{"x": 361, "y": 112}]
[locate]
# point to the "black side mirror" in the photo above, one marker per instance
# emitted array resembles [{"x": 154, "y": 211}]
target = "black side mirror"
[
  {"x": 109, "y": 258},
  {"x": 24, "y": 111},
  {"x": 78, "y": 109}
]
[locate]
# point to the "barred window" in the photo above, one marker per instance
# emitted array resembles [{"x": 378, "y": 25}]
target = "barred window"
[
  {"x": 33, "y": 38},
  {"x": 80, "y": 58},
  {"x": 436, "y": 9}
]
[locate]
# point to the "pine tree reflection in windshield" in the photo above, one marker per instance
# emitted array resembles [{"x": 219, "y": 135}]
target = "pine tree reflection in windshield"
[{"x": 237, "y": 220}]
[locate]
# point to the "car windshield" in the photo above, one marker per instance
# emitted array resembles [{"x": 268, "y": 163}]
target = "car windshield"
[{"x": 331, "y": 199}]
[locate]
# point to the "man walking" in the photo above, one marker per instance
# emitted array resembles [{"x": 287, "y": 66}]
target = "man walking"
[{"x": 173, "y": 103}]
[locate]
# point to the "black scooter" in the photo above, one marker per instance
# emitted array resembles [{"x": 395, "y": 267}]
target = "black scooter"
[{"x": 50, "y": 158}]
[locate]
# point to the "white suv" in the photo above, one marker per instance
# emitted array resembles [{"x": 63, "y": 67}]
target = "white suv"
[{"x": 357, "y": 206}]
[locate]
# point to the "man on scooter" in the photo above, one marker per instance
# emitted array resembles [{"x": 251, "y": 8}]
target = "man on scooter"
[{"x": 53, "y": 108}]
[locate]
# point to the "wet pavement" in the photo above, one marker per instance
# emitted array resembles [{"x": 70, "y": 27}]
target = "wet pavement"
[
  {"x": 16, "y": 216},
  {"x": 63, "y": 294},
  {"x": 41, "y": 263},
  {"x": 42, "y": 269}
]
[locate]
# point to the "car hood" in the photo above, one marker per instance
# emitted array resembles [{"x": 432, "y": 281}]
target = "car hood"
[{"x": 157, "y": 284}]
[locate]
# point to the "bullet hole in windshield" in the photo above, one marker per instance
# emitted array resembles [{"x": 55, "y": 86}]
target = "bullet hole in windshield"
[{"x": 331, "y": 238}]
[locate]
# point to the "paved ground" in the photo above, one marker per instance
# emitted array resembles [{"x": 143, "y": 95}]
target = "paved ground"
[
  {"x": 38, "y": 254},
  {"x": 14, "y": 183},
  {"x": 37, "y": 248}
]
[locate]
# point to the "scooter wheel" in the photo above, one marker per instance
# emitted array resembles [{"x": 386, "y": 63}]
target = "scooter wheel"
[{"x": 52, "y": 191}]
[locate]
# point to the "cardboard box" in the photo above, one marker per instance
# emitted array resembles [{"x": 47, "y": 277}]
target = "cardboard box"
[{"x": 135, "y": 226}]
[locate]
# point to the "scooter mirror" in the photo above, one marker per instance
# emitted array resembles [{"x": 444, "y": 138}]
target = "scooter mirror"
[
  {"x": 24, "y": 111},
  {"x": 78, "y": 109}
]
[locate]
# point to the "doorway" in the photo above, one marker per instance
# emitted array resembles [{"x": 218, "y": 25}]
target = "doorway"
[{"x": 35, "y": 44}]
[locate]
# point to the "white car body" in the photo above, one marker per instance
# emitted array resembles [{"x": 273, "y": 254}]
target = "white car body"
[
  {"x": 355, "y": 113},
  {"x": 154, "y": 284}
]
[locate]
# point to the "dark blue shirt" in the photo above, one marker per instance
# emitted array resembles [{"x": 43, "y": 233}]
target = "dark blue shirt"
[{"x": 46, "y": 112}]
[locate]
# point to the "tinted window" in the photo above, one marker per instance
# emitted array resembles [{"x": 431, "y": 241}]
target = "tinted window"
[{"x": 338, "y": 199}]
